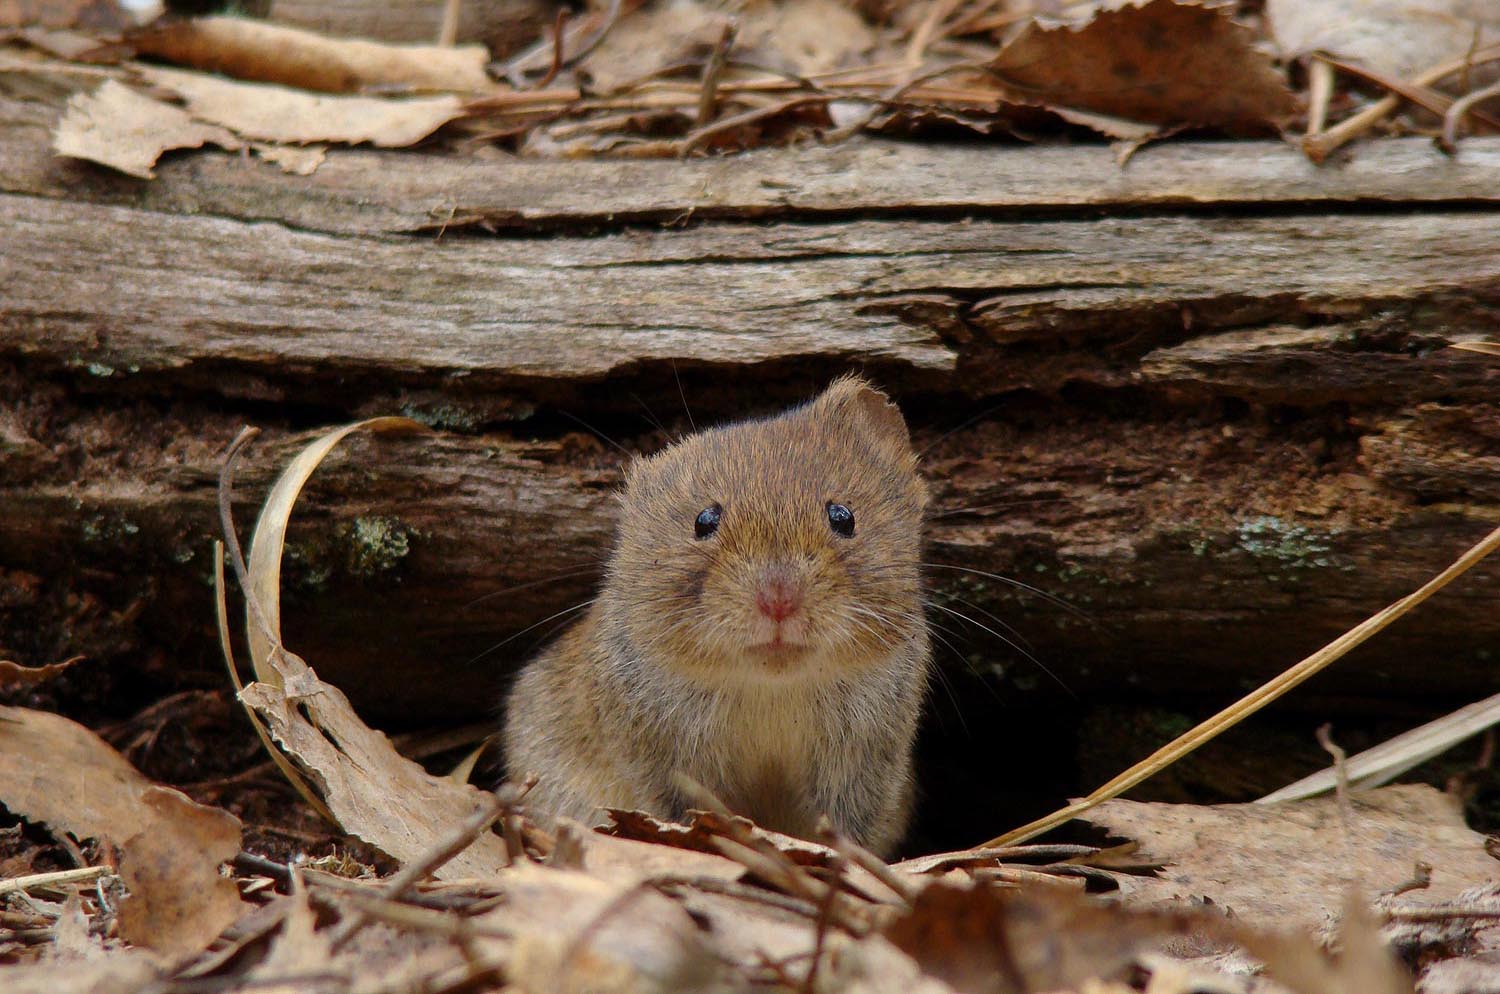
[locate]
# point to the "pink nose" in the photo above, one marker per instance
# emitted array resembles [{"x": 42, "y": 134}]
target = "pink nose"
[{"x": 777, "y": 599}]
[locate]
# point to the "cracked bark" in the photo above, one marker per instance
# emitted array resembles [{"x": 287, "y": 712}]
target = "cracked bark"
[{"x": 1199, "y": 398}]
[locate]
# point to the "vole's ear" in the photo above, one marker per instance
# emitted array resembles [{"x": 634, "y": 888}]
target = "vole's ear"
[{"x": 853, "y": 397}]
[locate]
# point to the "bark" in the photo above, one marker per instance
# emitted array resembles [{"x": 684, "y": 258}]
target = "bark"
[{"x": 1206, "y": 398}]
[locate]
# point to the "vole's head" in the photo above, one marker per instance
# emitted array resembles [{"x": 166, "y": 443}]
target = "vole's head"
[{"x": 775, "y": 547}]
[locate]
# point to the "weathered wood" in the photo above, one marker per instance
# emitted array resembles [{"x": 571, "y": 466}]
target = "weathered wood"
[
  {"x": 979, "y": 308},
  {"x": 368, "y": 192},
  {"x": 1204, "y": 553},
  {"x": 1221, "y": 419}
]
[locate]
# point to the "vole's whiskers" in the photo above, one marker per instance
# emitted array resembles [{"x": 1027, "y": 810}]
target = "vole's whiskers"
[
  {"x": 509, "y": 639},
  {"x": 983, "y": 627},
  {"x": 683, "y": 394},
  {"x": 1009, "y": 628},
  {"x": 593, "y": 570},
  {"x": 1012, "y": 582},
  {"x": 597, "y": 433}
]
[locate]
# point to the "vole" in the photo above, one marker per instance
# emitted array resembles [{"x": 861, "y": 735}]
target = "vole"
[{"x": 760, "y": 628}]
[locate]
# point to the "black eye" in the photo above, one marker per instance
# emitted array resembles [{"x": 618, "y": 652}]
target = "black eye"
[
  {"x": 708, "y": 521},
  {"x": 840, "y": 519}
]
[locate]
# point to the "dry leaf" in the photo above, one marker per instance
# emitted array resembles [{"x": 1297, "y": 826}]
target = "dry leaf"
[
  {"x": 1393, "y": 757},
  {"x": 1292, "y": 864},
  {"x": 806, "y": 37},
  {"x": 627, "y": 860},
  {"x": 298, "y": 948},
  {"x": 650, "y": 39},
  {"x": 272, "y": 53},
  {"x": 374, "y": 792},
  {"x": 1395, "y": 37},
  {"x": 265, "y": 112},
  {"x": 1162, "y": 62},
  {"x": 981, "y": 939},
  {"x": 573, "y": 932},
  {"x": 298, "y": 160},
  {"x": 13, "y": 675},
  {"x": 125, "y": 971},
  {"x": 120, "y": 128},
  {"x": 58, "y": 772},
  {"x": 1363, "y": 965},
  {"x": 70, "y": 934},
  {"x": 703, "y": 827}
]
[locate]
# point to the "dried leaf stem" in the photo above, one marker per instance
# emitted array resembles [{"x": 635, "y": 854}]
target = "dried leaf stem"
[{"x": 1253, "y": 702}]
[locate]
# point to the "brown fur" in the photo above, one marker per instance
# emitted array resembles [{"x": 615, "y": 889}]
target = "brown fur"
[{"x": 658, "y": 677}]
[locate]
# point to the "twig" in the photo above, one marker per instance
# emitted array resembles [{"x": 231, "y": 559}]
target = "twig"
[
  {"x": 1324, "y": 736},
  {"x": 1319, "y": 147},
  {"x": 820, "y": 932},
  {"x": 414, "y": 873},
  {"x": 460, "y": 839},
  {"x": 448, "y": 30},
  {"x": 252, "y": 865},
  {"x": 231, "y": 537},
  {"x": 1421, "y": 879},
  {"x": 1448, "y": 140},
  {"x": 1423, "y": 96},
  {"x": 617, "y": 905},
  {"x": 515, "y": 69},
  {"x": 557, "y": 49},
  {"x": 924, "y": 35},
  {"x": 701, "y": 136},
  {"x": 905, "y": 890},
  {"x": 458, "y": 927},
  {"x": 740, "y": 892},
  {"x": 53, "y": 880},
  {"x": 712, "y": 70},
  {"x": 1319, "y": 93},
  {"x": 1257, "y": 699},
  {"x": 1439, "y": 913}
]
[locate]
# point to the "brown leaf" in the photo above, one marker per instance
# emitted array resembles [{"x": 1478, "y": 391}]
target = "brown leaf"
[
  {"x": 58, "y": 772},
  {"x": 1160, "y": 62},
  {"x": 622, "y": 859},
  {"x": 650, "y": 39},
  {"x": 1395, "y": 37},
  {"x": 572, "y": 932},
  {"x": 373, "y": 791},
  {"x": 117, "y": 127},
  {"x": 265, "y": 112},
  {"x": 703, "y": 827},
  {"x": 271, "y": 53},
  {"x": 982, "y": 939},
  {"x": 1292, "y": 864},
  {"x": 805, "y": 37},
  {"x": 1364, "y": 964},
  {"x": 298, "y": 160},
  {"x": 13, "y": 675}
]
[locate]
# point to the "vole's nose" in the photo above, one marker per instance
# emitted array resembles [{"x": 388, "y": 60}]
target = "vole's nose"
[{"x": 777, "y": 596}]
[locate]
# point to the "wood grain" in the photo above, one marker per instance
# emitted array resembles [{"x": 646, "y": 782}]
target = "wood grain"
[{"x": 1206, "y": 397}]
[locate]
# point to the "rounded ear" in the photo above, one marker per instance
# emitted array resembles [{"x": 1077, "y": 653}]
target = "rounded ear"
[{"x": 853, "y": 397}]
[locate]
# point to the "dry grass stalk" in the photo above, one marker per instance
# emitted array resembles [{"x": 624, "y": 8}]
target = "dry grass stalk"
[{"x": 1254, "y": 701}]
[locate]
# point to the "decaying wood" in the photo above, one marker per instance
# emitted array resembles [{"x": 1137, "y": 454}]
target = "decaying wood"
[{"x": 1195, "y": 396}]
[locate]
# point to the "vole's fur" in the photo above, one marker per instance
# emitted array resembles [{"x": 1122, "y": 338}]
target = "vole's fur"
[{"x": 661, "y": 676}]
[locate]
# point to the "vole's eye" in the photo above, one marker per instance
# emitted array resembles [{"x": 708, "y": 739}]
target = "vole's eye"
[
  {"x": 708, "y": 521},
  {"x": 840, "y": 519}
]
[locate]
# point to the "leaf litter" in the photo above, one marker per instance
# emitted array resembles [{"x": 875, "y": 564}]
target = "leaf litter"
[
  {"x": 687, "y": 77},
  {"x": 1228, "y": 898},
  {"x": 717, "y": 903}
]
